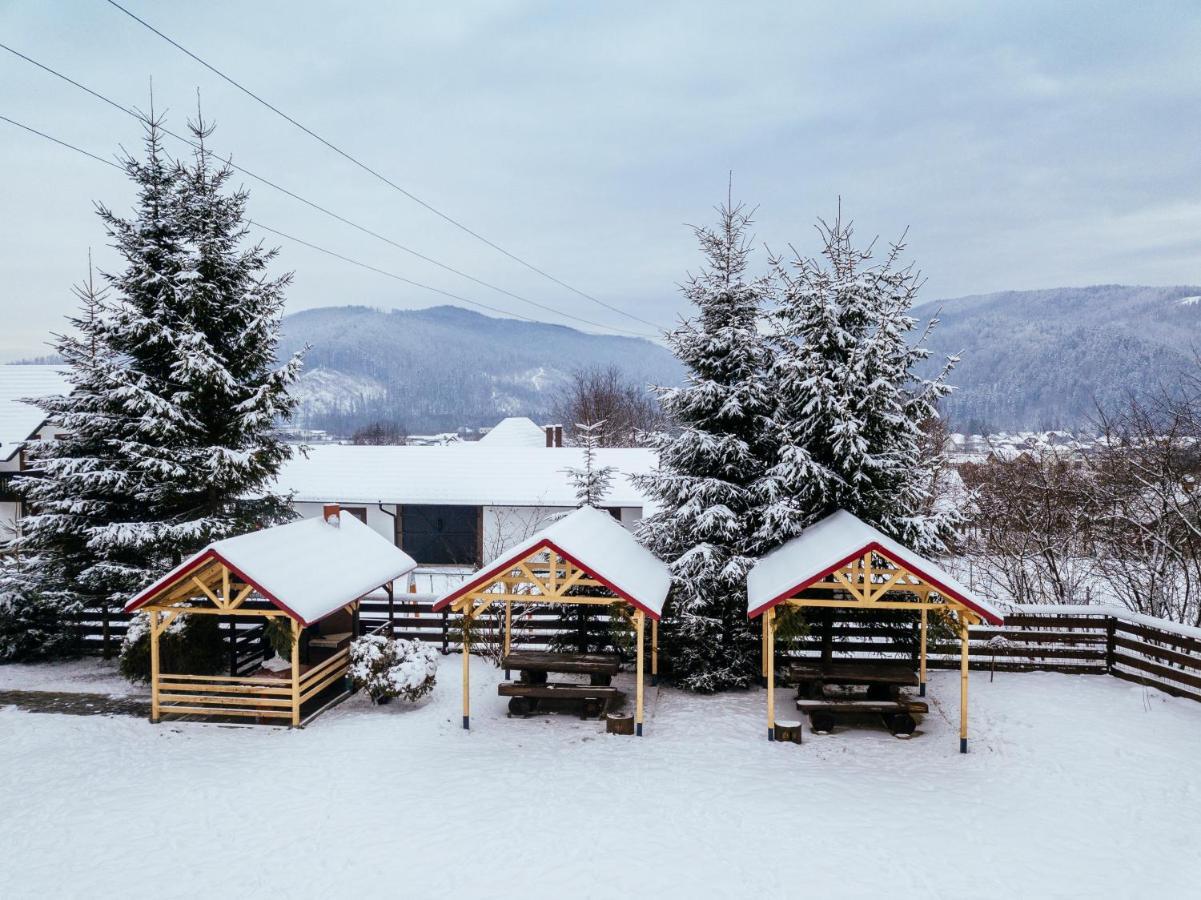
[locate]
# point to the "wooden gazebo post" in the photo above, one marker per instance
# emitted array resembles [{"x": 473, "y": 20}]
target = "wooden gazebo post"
[
  {"x": 154, "y": 666},
  {"x": 466, "y": 669},
  {"x": 963, "y": 679},
  {"x": 296, "y": 629},
  {"x": 654, "y": 652},
  {"x": 640, "y": 620},
  {"x": 769, "y": 650},
  {"x": 921, "y": 675}
]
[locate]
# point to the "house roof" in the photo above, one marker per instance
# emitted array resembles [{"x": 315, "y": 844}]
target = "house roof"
[
  {"x": 308, "y": 568},
  {"x": 471, "y": 474},
  {"x": 19, "y": 421},
  {"x": 593, "y": 540},
  {"x": 515, "y": 431},
  {"x": 830, "y": 544}
]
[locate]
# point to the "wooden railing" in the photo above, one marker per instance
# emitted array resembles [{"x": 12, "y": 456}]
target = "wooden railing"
[
  {"x": 223, "y": 695},
  {"x": 321, "y": 676}
]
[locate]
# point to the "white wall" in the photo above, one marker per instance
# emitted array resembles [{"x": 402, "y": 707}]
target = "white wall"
[{"x": 504, "y": 526}]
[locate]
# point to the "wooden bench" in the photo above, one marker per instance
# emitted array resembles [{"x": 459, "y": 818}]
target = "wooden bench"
[
  {"x": 898, "y": 712},
  {"x": 526, "y": 698}
]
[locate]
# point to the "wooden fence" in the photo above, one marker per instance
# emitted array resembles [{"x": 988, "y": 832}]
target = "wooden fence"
[{"x": 1093, "y": 640}]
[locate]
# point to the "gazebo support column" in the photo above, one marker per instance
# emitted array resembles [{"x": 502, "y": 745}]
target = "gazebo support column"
[
  {"x": 654, "y": 652},
  {"x": 963, "y": 679},
  {"x": 296, "y": 629},
  {"x": 508, "y": 632},
  {"x": 640, "y": 616},
  {"x": 921, "y": 676},
  {"x": 769, "y": 630},
  {"x": 154, "y": 666},
  {"x": 466, "y": 670}
]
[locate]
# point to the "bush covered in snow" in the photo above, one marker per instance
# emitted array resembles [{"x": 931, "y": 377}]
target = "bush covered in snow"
[
  {"x": 388, "y": 668},
  {"x": 191, "y": 645}
]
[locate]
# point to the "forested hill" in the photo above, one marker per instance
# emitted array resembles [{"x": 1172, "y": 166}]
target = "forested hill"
[
  {"x": 1042, "y": 359},
  {"x": 436, "y": 369}
]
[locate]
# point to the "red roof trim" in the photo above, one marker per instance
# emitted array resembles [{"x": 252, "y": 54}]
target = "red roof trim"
[
  {"x": 510, "y": 562},
  {"x": 147, "y": 595},
  {"x": 876, "y": 547}
]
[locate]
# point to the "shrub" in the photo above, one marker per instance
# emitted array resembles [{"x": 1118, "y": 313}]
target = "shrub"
[
  {"x": 387, "y": 668},
  {"x": 33, "y": 626},
  {"x": 191, "y": 645}
]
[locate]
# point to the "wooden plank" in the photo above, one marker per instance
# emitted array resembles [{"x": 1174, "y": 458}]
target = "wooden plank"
[
  {"x": 1154, "y": 634},
  {"x": 218, "y": 679},
  {"x": 1159, "y": 685},
  {"x": 854, "y": 672},
  {"x": 317, "y": 671},
  {"x": 169, "y": 684},
  {"x": 285, "y": 703},
  {"x": 582, "y": 663},
  {"x": 314, "y": 689},
  {"x": 558, "y": 689},
  {"x": 225, "y": 711},
  {"x": 1161, "y": 653},
  {"x": 839, "y": 704},
  {"x": 1164, "y": 672}
]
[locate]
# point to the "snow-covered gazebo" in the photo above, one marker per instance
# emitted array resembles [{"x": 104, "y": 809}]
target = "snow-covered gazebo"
[
  {"x": 586, "y": 548},
  {"x": 843, "y": 562},
  {"x": 306, "y": 574}
]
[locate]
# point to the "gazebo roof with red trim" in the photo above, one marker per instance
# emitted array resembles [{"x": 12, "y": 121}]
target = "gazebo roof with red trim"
[
  {"x": 598, "y": 544},
  {"x": 309, "y": 568},
  {"x": 830, "y": 544}
]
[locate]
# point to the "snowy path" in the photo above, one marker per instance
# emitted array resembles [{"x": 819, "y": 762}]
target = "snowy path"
[{"x": 1076, "y": 787}]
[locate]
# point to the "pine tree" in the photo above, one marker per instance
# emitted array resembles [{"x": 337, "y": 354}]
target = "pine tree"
[
  {"x": 591, "y": 483},
  {"x": 711, "y": 466},
  {"x": 170, "y": 424},
  {"x": 850, "y": 401}
]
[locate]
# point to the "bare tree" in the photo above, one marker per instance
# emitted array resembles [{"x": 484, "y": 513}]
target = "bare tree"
[
  {"x": 607, "y": 395},
  {"x": 380, "y": 434}
]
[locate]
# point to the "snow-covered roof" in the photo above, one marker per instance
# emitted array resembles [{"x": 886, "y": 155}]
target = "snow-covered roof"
[
  {"x": 308, "y": 568},
  {"x": 515, "y": 431},
  {"x": 595, "y": 541},
  {"x": 18, "y": 420},
  {"x": 832, "y": 543},
  {"x": 471, "y": 474}
]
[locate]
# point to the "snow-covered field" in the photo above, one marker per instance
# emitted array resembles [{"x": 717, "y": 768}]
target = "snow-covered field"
[{"x": 1076, "y": 786}]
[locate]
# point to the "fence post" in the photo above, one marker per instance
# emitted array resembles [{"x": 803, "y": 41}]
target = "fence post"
[
  {"x": 445, "y": 632},
  {"x": 106, "y": 651},
  {"x": 1110, "y": 622}
]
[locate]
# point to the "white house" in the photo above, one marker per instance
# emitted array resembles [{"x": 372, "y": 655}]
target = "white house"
[
  {"x": 456, "y": 507},
  {"x": 20, "y": 424}
]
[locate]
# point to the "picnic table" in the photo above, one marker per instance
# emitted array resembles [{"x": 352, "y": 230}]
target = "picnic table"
[
  {"x": 533, "y": 691},
  {"x": 883, "y": 680}
]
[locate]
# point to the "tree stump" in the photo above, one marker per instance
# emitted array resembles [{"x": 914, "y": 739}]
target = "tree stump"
[
  {"x": 619, "y": 723},
  {"x": 788, "y": 731}
]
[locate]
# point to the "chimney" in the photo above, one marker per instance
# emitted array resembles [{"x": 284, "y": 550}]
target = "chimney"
[
  {"x": 332, "y": 514},
  {"x": 550, "y": 435},
  {"x": 558, "y": 435}
]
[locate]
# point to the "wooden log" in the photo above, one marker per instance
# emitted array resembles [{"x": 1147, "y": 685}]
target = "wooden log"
[
  {"x": 619, "y": 723},
  {"x": 788, "y": 730}
]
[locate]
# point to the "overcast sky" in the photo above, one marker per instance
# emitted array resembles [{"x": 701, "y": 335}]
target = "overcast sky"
[{"x": 1026, "y": 145}]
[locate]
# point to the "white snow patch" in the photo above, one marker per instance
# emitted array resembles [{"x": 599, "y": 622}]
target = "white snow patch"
[{"x": 1075, "y": 786}]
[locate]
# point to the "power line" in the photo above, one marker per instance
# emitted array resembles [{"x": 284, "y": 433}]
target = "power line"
[
  {"x": 317, "y": 247},
  {"x": 328, "y": 212},
  {"x": 366, "y": 168}
]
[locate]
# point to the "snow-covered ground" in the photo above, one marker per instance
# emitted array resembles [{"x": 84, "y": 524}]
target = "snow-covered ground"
[
  {"x": 80, "y": 676},
  {"x": 1076, "y": 786}
]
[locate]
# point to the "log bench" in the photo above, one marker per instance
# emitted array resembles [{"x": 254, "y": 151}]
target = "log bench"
[
  {"x": 898, "y": 712},
  {"x": 527, "y": 698}
]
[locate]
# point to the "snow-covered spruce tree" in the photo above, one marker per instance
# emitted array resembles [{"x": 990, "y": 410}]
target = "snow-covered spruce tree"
[
  {"x": 171, "y": 421},
  {"x": 712, "y": 465},
  {"x": 850, "y": 403},
  {"x": 591, "y": 483},
  {"x": 582, "y": 628}
]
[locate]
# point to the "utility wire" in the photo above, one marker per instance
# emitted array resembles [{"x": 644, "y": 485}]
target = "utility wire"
[
  {"x": 317, "y": 247},
  {"x": 366, "y": 168},
  {"x": 328, "y": 212}
]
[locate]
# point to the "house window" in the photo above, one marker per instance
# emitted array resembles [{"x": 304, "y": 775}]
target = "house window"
[{"x": 440, "y": 535}]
